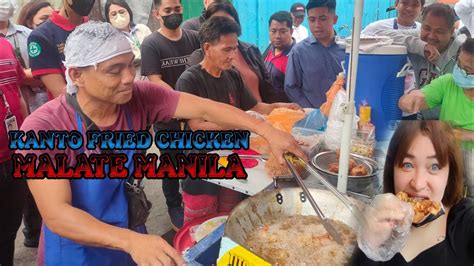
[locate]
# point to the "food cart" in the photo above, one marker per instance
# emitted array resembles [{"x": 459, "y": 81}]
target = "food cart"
[{"x": 277, "y": 197}]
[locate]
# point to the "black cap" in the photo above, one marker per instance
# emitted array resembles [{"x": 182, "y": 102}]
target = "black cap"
[
  {"x": 331, "y": 4},
  {"x": 297, "y": 9}
]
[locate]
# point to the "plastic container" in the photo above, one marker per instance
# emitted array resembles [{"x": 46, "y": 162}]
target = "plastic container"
[
  {"x": 378, "y": 85},
  {"x": 204, "y": 252},
  {"x": 308, "y": 138},
  {"x": 363, "y": 144}
]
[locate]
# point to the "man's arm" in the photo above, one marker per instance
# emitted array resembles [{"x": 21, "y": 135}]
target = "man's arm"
[
  {"x": 30, "y": 80},
  {"x": 54, "y": 83},
  {"x": 411, "y": 39},
  {"x": 413, "y": 102},
  {"x": 157, "y": 80},
  {"x": 260, "y": 107},
  {"x": 151, "y": 62},
  {"x": 265, "y": 108},
  {"x": 200, "y": 124},
  {"x": 192, "y": 107},
  {"x": 53, "y": 198},
  {"x": 45, "y": 62},
  {"x": 370, "y": 29},
  {"x": 294, "y": 80}
]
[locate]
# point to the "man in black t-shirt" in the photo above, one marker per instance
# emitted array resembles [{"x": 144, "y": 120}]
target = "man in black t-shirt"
[
  {"x": 215, "y": 79},
  {"x": 164, "y": 57},
  {"x": 166, "y": 51}
]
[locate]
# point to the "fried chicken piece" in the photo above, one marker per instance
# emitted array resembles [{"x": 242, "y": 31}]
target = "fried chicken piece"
[
  {"x": 421, "y": 207},
  {"x": 358, "y": 170},
  {"x": 333, "y": 167},
  {"x": 352, "y": 164}
]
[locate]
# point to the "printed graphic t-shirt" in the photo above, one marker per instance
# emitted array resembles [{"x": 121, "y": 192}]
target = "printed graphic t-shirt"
[
  {"x": 162, "y": 56},
  {"x": 229, "y": 89}
]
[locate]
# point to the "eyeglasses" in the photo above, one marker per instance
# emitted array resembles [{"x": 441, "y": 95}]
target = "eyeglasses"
[{"x": 464, "y": 72}]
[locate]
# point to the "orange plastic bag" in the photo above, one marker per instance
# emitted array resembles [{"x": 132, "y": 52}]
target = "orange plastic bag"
[
  {"x": 285, "y": 118},
  {"x": 331, "y": 94}
]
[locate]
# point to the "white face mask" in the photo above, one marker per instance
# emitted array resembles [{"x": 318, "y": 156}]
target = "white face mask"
[
  {"x": 7, "y": 9},
  {"x": 120, "y": 21}
]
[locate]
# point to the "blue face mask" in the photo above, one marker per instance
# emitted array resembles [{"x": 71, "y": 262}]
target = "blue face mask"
[{"x": 462, "y": 79}]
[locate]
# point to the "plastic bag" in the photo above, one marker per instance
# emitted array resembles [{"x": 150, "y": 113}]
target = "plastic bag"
[
  {"x": 256, "y": 115},
  {"x": 386, "y": 227},
  {"x": 331, "y": 94},
  {"x": 335, "y": 122},
  {"x": 313, "y": 120}
]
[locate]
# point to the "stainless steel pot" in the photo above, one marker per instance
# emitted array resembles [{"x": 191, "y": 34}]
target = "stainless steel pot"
[
  {"x": 266, "y": 206},
  {"x": 368, "y": 184}
]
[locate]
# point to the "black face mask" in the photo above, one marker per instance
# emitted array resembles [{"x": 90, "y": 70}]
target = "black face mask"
[
  {"x": 172, "y": 21},
  {"x": 82, "y": 7}
]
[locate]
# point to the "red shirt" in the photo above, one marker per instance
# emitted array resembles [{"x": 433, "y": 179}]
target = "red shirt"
[{"x": 11, "y": 76}]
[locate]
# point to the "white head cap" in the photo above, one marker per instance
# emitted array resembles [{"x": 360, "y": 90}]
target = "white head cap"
[
  {"x": 90, "y": 44},
  {"x": 7, "y": 9}
]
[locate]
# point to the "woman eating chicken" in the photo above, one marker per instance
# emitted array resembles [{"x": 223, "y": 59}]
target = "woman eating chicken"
[{"x": 430, "y": 222}]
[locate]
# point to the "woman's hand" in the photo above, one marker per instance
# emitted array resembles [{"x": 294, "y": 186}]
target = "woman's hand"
[
  {"x": 386, "y": 227},
  {"x": 152, "y": 250}
]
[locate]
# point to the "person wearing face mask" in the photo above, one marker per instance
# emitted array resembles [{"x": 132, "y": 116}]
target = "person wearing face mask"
[
  {"x": 164, "y": 56},
  {"x": 46, "y": 44},
  {"x": 17, "y": 35},
  {"x": 432, "y": 49},
  {"x": 119, "y": 14},
  {"x": 454, "y": 93}
]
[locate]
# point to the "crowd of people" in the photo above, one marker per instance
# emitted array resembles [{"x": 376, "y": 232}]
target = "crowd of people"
[{"x": 60, "y": 71}]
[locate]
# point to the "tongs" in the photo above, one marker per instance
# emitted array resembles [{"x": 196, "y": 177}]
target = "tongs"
[
  {"x": 329, "y": 228},
  {"x": 353, "y": 208}
]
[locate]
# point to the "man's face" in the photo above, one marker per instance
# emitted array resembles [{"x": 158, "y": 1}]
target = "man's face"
[
  {"x": 222, "y": 53},
  {"x": 321, "y": 22},
  {"x": 297, "y": 20},
  {"x": 280, "y": 34},
  {"x": 435, "y": 31},
  {"x": 112, "y": 81},
  {"x": 169, "y": 7},
  {"x": 466, "y": 62},
  {"x": 408, "y": 10}
]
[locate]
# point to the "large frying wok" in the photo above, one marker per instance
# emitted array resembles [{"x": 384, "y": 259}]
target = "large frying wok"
[{"x": 255, "y": 211}]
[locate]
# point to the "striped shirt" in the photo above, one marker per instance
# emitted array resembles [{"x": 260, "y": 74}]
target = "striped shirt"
[{"x": 11, "y": 76}]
